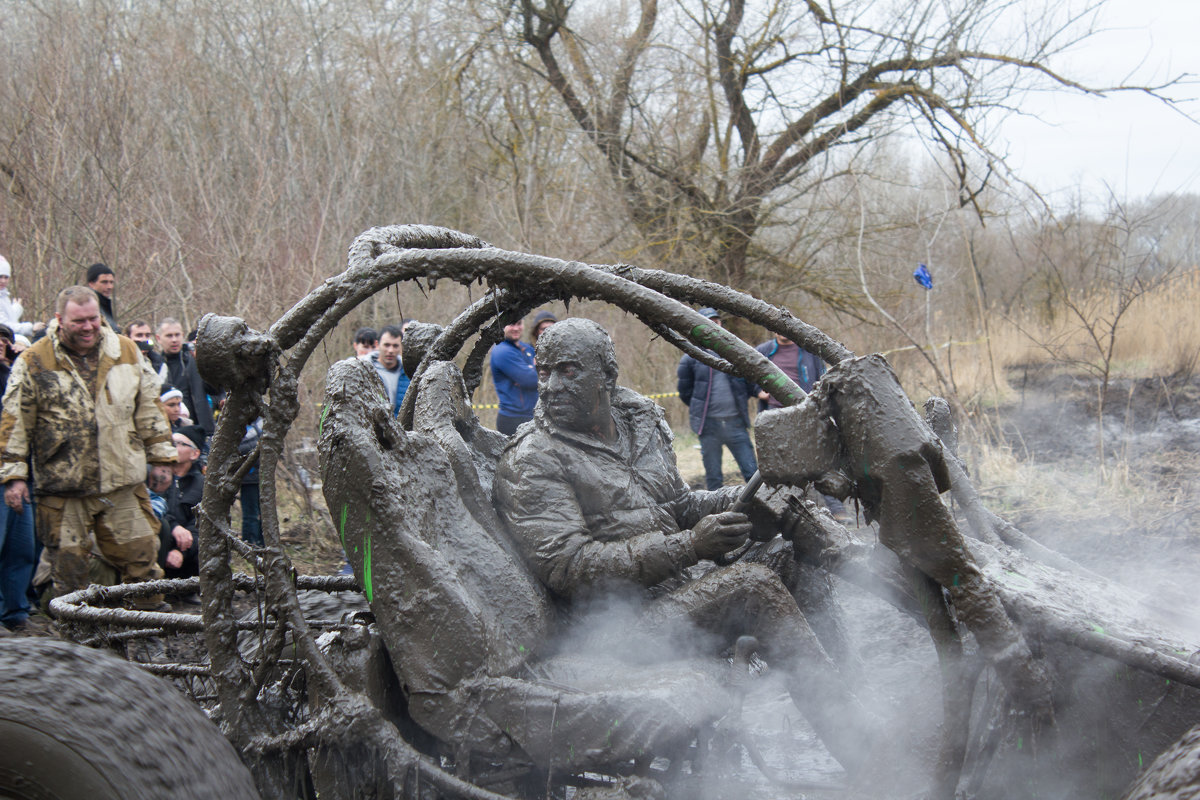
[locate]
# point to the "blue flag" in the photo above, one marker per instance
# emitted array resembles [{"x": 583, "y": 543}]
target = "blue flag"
[{"x": 921, "y": 275}]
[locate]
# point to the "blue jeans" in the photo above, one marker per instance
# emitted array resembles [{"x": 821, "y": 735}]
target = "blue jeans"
[
  {"x": 251, "y": 518},
  {"x": 16, "y": 563},
  {"x": 508, "y": 425},
  {"x": 730, "y": 432}
]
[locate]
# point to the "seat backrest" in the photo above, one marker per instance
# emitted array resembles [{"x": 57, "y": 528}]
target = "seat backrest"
[
  {"x": 451, "y": 598},
  {"x": 443, "y": 412}
]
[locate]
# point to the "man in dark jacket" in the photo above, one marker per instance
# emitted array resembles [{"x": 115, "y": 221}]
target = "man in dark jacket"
[
  {"x": 179, "y": 370},
  {"x": 717, "y": 413},
  {"x": 178, "y": 552},
  {"x": 143, "y": 335},
  {"x": 102, "y": 281}
]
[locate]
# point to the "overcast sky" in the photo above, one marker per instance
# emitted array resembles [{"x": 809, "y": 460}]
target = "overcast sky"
[{"x": 1132, "y": 143}]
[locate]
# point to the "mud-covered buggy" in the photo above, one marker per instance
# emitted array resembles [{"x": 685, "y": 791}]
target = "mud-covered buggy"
[{"x": 1053, "y": 682}]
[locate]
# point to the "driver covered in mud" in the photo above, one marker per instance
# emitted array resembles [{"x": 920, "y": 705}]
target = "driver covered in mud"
[{"x": 592, "y": 497}]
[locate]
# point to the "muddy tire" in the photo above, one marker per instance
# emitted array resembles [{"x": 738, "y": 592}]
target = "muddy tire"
[
  {"x": 79, "y": 724},
  {"x": 1174, "y": 775}
]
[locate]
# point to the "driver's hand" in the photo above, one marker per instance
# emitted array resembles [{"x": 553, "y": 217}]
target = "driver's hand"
[{"x": 717, "y": 534}]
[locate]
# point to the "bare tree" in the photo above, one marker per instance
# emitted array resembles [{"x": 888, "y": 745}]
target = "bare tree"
[
  {"x": 716, "y": 118},
  {"x": 219, "y": 155},
  {"x": 1094, "y": 270}
]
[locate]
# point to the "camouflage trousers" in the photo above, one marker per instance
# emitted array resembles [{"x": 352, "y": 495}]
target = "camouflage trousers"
[{"x": 125, "y": 531}]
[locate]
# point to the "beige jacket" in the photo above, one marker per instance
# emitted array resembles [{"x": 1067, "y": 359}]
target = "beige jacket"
[{"x": 49, "y": 414}]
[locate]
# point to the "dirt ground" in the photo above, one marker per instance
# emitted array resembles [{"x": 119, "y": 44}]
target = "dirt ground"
[{"x": 1134, "y": 513}]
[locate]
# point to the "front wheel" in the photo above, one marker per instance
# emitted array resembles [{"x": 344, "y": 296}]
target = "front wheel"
[{"x": 80, "y": 724}]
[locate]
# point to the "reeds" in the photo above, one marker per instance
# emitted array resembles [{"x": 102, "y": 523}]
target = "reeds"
[{"x": 1157, "y": 336}]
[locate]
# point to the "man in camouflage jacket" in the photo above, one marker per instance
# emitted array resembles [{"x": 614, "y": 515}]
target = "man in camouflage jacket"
[{"x": 84, "y": 404}]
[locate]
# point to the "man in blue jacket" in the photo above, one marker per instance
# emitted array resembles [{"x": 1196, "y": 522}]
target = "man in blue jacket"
[
  {"x": 718, "y": 413},
  {"x": 515, "y": 378}
]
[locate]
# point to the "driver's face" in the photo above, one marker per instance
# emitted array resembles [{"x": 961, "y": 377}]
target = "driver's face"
[{"x": 572, "y": 386}]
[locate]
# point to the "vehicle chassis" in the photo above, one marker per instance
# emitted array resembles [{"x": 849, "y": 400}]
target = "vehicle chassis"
[{"x": 937, "y": 578}]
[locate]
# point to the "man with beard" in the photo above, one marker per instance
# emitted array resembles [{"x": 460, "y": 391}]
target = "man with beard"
[
  {"x": 84, "y": 404},
  {"x": 591, "y": 496}
]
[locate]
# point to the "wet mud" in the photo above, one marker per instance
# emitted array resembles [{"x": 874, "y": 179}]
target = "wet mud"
[{"x": 984, "y": 655}]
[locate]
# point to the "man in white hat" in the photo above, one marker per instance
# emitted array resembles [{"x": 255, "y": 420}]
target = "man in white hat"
[{"x": 177, "y": 412}]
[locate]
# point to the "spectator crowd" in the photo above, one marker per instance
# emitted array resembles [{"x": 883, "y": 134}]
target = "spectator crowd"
[{"x": 104, "y": 433}]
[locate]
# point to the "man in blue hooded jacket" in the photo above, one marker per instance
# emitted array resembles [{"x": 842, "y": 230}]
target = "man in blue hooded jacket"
[{"x": 515, "y": 378}]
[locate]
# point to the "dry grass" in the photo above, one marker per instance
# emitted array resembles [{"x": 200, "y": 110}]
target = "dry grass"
[
  {"x": 1159, "y": 334},
  {"x": 1163, "y": 330},
  {"x": 1075, "y": 496}
]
